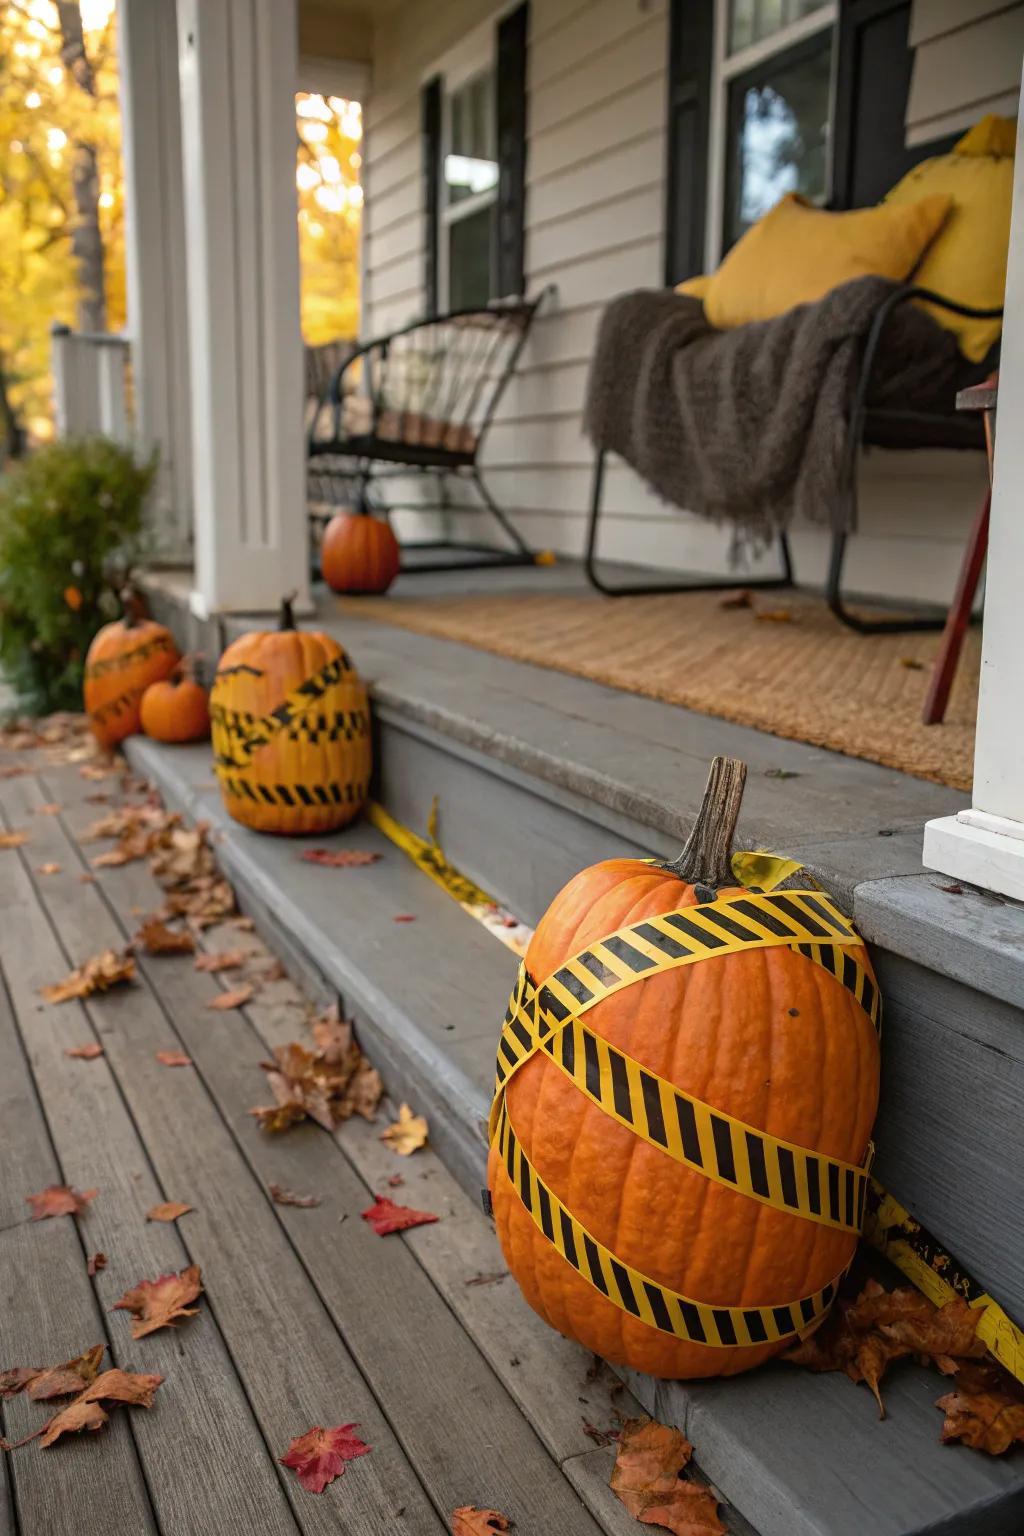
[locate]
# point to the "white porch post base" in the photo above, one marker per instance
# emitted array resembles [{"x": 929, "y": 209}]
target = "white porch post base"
[
  {"x": 980, "y": 848},
  {"x": 237, "y": 68}
]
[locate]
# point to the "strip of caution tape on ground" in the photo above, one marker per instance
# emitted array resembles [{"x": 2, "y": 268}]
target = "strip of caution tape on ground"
[
  {"x": 765, "y": 1168},
  {"x": 637, "y": 1294},
  {"x": 928, "y": 1266},
  {"x": 248, "y": 733}
]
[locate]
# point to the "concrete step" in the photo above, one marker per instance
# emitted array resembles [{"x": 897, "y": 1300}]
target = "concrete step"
[{"x": 797, "y": 1455}]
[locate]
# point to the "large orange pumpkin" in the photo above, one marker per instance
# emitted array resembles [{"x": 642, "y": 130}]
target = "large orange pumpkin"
[
  {"x": 677, "y": 1168},
  {"x": 291, "y": 731},
  {"x": 123, "y": 659},
  {"x": 359, "y": 554}
]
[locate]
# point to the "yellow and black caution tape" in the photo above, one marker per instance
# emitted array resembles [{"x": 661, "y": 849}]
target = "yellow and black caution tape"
[
  {"x": 637, "y": 1294},
  {"x": 142, "y": 652},
  {"x": 776, "y": 1172},
  {"x": 928, "y": 1266},
  {"x": 246, "y": 733}
]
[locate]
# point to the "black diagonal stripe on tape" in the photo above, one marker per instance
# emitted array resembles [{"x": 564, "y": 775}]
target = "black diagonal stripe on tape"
[
  {"x": 625, "y": 952},
  {"x": 722, "y": 919},
  {"x": 599, "y": 971},
  {"x": 790, "y": 908},
  {"x": 664, "y": 942},
  {"x": 787, "y": 1176},
  {"x": 723, "y": 1148},
  {"x": 620, "y": 1084},
  {"x": 572, "y": 984},
  {"x": 652, "y": 1108},
  {"x": 835, "y": 921},
  {"x": 693, "y": 930},
  {"x": 765, "y": 919}
]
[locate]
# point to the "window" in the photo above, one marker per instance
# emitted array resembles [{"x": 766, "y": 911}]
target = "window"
[
  {"x": 772, "y": 110},
  {"x": 469, "y": 192}
]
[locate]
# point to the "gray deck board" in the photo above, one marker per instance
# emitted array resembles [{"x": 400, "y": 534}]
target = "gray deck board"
[
  {"x": 462, "y": 1432},
  {"x": 50, "y": 1313},
  {"x": 295, "y": 1367}
]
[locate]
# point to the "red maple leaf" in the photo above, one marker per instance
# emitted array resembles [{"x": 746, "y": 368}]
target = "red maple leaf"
[
  {"x": 339, "y": 858},
  {"x": 59, "y": 1200},
  {"x": 385, "y": 1216},
  {"x": 319, "y": 1456},
  {"x": 159, "y": 1303}
]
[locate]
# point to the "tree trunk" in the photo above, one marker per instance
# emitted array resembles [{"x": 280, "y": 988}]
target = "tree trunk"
[
  {"x": 12, "y": 435},
  {"x": 86, "y": 240}
]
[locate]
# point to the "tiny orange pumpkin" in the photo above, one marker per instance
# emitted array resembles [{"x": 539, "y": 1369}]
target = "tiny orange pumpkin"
[
  {"x": 123, "y": 659},
  {"x": 177, "y": 708},
  {"x": 359, "y": 553}
]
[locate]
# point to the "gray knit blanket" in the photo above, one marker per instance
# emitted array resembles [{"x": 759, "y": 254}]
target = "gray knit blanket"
[{"x": 748, "y": 426}]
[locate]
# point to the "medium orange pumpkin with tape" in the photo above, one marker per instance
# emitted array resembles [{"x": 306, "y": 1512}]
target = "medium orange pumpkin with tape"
[
  {"x": 359, "y": 553},
  {"x": 290, "y": 723},
  {"x": 687, "y": 1081},
  {"x": 123, "y": 660}
]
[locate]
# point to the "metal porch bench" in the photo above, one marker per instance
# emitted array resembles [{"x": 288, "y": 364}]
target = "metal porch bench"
[
  {"x": 867, "y": 427},
  {"x": 419, "y": 402}
]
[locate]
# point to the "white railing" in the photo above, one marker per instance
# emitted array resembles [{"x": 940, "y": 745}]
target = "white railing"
[{"x": 91, "y": 383}]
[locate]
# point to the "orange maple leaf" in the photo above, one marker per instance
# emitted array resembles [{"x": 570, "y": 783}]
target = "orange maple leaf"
[
  {"x": 44, "y": 1382},
  {"x": 222, "y": 960},
  {"x": 319, "y": 1456},
  {"x": 60, "y": 1200},
  {"x": 173, "y": 1059},
  {"x": 986, "y": 1421},
  {"x": 646, "y": 1479},
  {"x": 85, "y": 1412},
  {"x": 168, "y": 1210},
  {"x": 76, "y": 1416},
  {"x": 97, "y": 974},
  {"x": 87, "y": 1052},
  {"x": 234, "y": 999},
  {"x": 289, "y": 1197},
  {"x": 157, "y": 1303},
  {"x": 408, "y": 1133},
  {"x": 467, "y": 1520},
  {"x": 157, "y": 938}
]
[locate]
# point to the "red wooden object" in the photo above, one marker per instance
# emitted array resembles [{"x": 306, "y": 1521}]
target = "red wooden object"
[{"x": 980, "y": 398}]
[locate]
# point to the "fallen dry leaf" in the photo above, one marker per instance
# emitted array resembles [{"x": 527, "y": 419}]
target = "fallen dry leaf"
[
  {"x": 157, "y": 938},
  {"x": 76, "y": 1416},
  {"x": 404, "y": 917},
  {"x": 277, "y": 1117},
  {"x": 98, "y": 974},
  {"x": 339, "y": 858},
  {"x": 774, "y": 616},
  {"x": 467, "y": 1520},
  {"x": 646, "y": 1479},
  {"x": 742, "y": 599},
  {"x": 989, "y": 1421},
  {"x": 49, "y": 869},
  {"x": 363, "y": 1094},
  {"x": 602, "y": 1437},
  {"x": 84, "y": 1052},
  {"x": 385, "y": 1216},
  {"x": 68, "y": 1379},
  {"x": 168, "y": 1210},
  {"x": 13, "y": 839},
  {"x": 289, "y": 1197},
  {"x": 395, "y": 1180},
  {"x": 408, "y": 1133},
  {"x": 233, "y": 999},
  {"x": 319, "y": 1456},
  {"x": 489, "y": 1277},
  {"x": 863, "y": 1337},
  {"x": 333, "y": 1036},
  {"x": 44, "y": 1382},
  {"x": 911, "y": 663},
  {"x": 222, "y": 960},
  {"x": 51, "y": 809},
  {"x": 244, "y": 924},
  {"x": 59, "y": 1200},
  {"x": 173, "y": 1059},
  {"x": 12, "y": 770},
  {"x": 157, "y": 1303},
  {"x": 95, "y": 1262}
]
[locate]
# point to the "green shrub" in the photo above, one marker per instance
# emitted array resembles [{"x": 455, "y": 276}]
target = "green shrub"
[{"x": 71, "y": 532}]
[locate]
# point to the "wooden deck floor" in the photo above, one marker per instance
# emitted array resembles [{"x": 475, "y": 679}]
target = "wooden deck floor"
[{"x": 308, "y": 1317}]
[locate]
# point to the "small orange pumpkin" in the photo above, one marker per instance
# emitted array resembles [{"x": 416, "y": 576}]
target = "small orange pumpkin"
[
  {"x": 291, "y": 731},
  {"x": 768, "y": 1036},
  {"x": 177, "y": 708},
  {"x": 359, "y": 553},
  {"x": 123, "y": 660}
]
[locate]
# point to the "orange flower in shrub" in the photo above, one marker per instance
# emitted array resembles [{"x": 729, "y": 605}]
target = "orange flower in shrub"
[{"x": 73, "y": 598}]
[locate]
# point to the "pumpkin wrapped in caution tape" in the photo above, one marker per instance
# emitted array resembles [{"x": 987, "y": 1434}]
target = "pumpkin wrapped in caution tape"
[
  {"x": 123, "y": 660},
  {"x": 290, "y": 723},
  {"x": 687, "y": 1081}
]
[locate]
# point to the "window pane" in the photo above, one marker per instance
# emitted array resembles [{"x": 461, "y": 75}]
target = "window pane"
[
  {"x": 751, "y": 21},
  {"x": 471, "y": 162},
  {"x": 469, "y": 260},
  {"x": 778, "y": 133}
]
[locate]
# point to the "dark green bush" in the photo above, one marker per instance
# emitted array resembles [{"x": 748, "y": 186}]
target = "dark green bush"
[{"x": 71, "y": 532}]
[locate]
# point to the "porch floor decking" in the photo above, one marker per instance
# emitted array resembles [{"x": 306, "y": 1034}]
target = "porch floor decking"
[{"x": 308, "y": 1317}]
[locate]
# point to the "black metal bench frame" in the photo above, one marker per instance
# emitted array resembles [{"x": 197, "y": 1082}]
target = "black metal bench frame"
[
  {"x": 866, "y": 428},
  {"x": 370, "y": 459}
]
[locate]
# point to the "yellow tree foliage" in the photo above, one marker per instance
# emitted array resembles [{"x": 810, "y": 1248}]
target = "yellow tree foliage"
[
  {"x": 45, "y": 112},
  {"x": 330, "y": 206}
]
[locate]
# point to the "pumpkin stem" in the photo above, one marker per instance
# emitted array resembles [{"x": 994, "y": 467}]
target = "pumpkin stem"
[
  {"x": 706, "y": 859},
  {"x": 287, "y": 619},
  {"x": 133, "y": 605}
]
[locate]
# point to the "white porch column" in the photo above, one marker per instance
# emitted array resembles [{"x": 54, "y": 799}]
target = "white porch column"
[
  {"x": 237, "y": 67},
  {"x": 155, "y": 259},
  {"x": 985, "y": 845}
]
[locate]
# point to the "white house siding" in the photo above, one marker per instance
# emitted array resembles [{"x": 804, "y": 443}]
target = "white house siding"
[
  {"x": 967, "y": 60},
  {"x": 594, "y": 220}
]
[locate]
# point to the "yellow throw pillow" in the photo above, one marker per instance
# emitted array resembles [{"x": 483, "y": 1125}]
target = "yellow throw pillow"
[
  {"x": 796, "y": 254},
  {"x": 694, "y": 287},
  {"x": 967, "y": 259}
]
